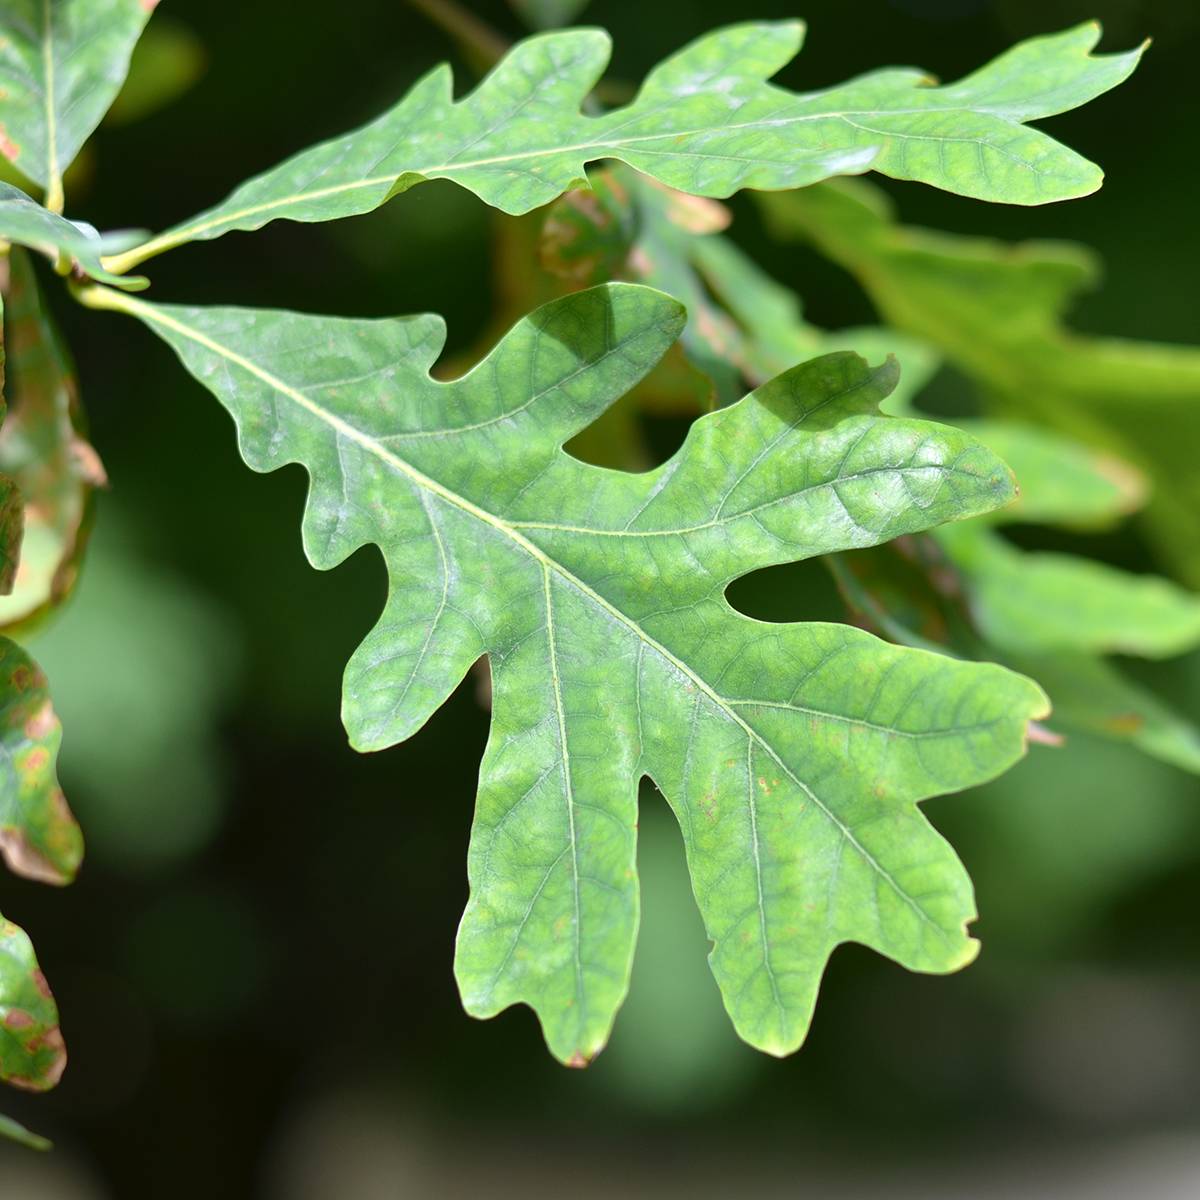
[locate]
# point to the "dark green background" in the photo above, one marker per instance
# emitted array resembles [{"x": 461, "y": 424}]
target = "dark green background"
[{"x": 342, "y": 877}]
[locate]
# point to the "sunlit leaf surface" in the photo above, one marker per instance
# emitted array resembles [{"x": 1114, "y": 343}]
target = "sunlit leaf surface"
[
  {"x": 705, "y": 122},
  {"x": 792, "y": 755}
]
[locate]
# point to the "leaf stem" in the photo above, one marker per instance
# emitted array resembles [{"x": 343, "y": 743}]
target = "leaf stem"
[
  {"x": 482, "y": 45},
  {"x": 16, "y": 1132}
]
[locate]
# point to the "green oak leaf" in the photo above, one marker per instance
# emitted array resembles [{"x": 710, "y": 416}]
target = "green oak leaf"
[
  {"x": 1027, "y": 601},
  {"x": 44, "y": 447},
  {"x": 995, "y": 311},
  {"x": 32, "y": 1053},
  {"x": 62, "y": 62},
  {"x": 1028, "y": 607},
  {"x": 1092, "y": 695},
  {"x": 705, "y": 121},
  {"x": 793, "y": 755},
  {"x": 1052, "y": 615},
  {"x": 27, "y": 223},
  {"x": 1063, "y": 481},
  {"x": 39, "y": 838}
]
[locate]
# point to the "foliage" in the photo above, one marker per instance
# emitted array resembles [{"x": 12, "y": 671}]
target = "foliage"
[
  {"x": 995, "y": 311},
  {"x": 61, "y": 66},
  {"x": 793, "y": 755},
  {"x": 518, "y": 140},
  {"x": 44, "y": 448}
]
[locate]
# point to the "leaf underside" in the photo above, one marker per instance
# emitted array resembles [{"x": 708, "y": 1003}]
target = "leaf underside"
[
  {"x": 27, "y": 223},
  {"x": 793, "y": 755},
  {"x": 705, "y": 121},
  {"x": 62, "y": 63}
]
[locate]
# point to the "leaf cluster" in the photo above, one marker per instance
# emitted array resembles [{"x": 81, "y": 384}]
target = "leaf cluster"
[{"x": 793, "y": 755}]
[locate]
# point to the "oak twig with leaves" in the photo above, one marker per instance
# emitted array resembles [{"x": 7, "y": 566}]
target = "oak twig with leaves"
[{"x": 793, "y": 755}]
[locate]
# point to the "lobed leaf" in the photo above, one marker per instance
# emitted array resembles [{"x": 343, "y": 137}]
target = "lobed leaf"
[
  {"x": 44, "y": 447},
  {"x": 793, "y": 755},
  {"x": 1063, "y": 482},
  {"x": 32, "y": 1053},
  {"x": 705, "y": 122},
  {"x": 62, "y": 63}
]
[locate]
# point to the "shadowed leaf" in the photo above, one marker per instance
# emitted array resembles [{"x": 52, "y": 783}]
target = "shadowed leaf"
[
  {"x": 14, "y": 1131},
  {"x": 743, "y": 327},
  {"x": 27, "y": 223}
]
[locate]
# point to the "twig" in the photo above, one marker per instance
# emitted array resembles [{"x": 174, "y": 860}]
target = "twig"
[{"x": 481, "y": 45}]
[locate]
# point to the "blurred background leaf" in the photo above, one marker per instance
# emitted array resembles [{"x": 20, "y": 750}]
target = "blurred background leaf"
[{"x": 142, "y": 667}]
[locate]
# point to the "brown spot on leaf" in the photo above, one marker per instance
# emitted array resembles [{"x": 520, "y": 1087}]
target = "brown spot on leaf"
[
  {"x": 39, "y": 981},
  {"x": 25, "y": 1083},
  {"x": 578, "y": 1061},
  {"x": 35, "y": 760},
  {"x": 8, "y": 147},
  {"x": 25, "y": 859},
  {"x": 41, "y": 723},
  {"x": 17, "y": 1018},
  {"x": 87, "y": 463}
]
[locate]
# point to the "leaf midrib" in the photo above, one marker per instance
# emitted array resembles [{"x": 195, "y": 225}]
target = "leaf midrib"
[
  {"x": 187, "y": 232},
  {"x": 146, "y": 312},
  {"x": 52, "y": 175}
]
